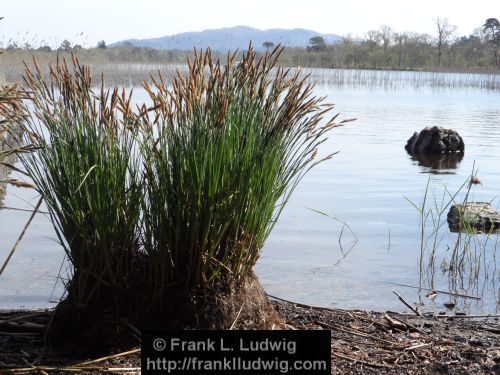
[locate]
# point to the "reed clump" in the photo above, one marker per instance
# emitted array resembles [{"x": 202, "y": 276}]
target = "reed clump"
[
  {"x": 224, "y": 149},
  {"x": 163, "y": 209},
  {"x": 86, "y": 169}
]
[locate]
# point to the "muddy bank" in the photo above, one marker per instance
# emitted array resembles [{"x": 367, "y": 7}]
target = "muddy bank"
[{"x": 362, "y": 343}]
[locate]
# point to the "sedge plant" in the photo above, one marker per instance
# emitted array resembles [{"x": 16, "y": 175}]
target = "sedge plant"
[
  {"x": 224, "y": 148},
  {"x": 164, "y": 204},
  {"x": 86, "y": 169}
]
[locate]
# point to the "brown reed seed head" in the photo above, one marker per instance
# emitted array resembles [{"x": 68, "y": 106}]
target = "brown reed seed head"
[{"x": 211, "y": 84}]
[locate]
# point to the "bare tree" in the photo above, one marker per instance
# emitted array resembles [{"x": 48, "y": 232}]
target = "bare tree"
[
  {"x": 444, "y": 33},
  {"x": 400, "y": 40},
  {"x": 386, "y": 34},
  {"x": 373, "y": 41}
]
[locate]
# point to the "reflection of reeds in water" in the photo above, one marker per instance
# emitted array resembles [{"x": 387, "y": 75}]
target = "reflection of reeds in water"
[{"x": 466, "y": 257}]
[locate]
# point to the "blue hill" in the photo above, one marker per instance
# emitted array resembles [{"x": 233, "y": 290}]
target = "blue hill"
[{"x": 232, "y": 38}]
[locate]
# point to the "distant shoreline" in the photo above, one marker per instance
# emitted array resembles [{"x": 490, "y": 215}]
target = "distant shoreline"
[
  {"x": 12, "y": 61},
  {"x": 121, "y": 69}
]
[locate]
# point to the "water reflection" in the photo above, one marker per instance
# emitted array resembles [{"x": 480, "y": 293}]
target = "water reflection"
[{"x": 439, "y": 163}]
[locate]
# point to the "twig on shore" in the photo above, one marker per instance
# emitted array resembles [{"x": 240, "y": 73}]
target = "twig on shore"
[
  {"x": 133, "y": 351},
  {"x": 393, "y": 323},
  {"x": 304, "y": 306},
  {"x": 371, "y": 364},
  {"x": 356, "y": 333},
  {"x": 408, "y": 324},
  {"x": 407, "y": 304},
  {"x": 417, "y": 347},
  {"x": 28, "y": 363}
]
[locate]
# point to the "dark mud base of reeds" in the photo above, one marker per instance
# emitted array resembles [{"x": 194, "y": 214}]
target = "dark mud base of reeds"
[
  {"x": 114, "y": 320},
  {"x": 362, "y": 343}
]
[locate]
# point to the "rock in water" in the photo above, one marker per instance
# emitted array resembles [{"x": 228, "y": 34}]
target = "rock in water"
[
  {"x": 477, "y": 215},
  {"x": 435, "y": 140}
]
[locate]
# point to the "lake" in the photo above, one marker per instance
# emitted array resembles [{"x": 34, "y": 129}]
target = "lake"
[{"x": 371, "y": 244}]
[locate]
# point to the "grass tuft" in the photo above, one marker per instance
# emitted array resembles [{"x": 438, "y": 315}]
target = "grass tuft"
[
  {"x": 171, "y": 200},
  {"x": 86, "y": 169},
  {"x": 225, "y": 147}
]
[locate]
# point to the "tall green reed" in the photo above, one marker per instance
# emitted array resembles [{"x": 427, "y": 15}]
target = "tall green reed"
[
  {"x": 87, "y": 171},
  {"x": 225, "y": 147}
]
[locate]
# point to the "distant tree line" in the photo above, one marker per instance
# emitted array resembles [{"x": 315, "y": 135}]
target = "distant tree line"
[
  {"x": 377, "y": 49},
  {"x": 99, "y": 54},
  {"x": 387, "y": 49}
]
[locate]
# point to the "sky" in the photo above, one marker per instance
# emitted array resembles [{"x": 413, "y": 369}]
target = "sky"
[{"x": 86, "y": 22}]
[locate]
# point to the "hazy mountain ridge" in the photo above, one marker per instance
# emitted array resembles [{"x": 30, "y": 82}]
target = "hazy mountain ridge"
[{"x": 233, "y": 38}]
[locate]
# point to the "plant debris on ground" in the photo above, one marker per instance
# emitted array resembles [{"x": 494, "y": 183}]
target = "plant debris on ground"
[{"x": 362, "y": 343}]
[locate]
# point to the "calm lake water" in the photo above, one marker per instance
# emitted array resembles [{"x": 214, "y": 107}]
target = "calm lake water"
[{"x": 315, "y": 259}]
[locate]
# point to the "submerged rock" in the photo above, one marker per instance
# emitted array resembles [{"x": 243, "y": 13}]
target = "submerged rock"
[
  {"x": 480, "y": 216},
  {"x": 435, "y": 140}
]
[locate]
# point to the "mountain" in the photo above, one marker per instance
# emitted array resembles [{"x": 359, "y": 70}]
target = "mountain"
[{"x": 232, "y": 38}]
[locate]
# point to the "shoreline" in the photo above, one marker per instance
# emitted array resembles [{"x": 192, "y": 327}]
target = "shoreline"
[{"x": 362, "y": 343}]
